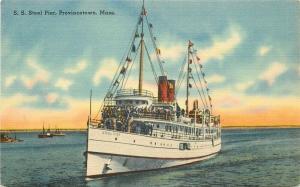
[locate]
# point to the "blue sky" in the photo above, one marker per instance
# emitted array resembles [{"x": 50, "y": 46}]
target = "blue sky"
[{"x": 249, "y": 48}]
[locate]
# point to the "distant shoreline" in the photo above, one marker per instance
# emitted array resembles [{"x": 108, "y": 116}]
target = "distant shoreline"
[{"x": 223, "y": 127}]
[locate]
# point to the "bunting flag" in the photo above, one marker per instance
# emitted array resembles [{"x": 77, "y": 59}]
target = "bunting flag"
[
  {"x": 209, "y": 98},
  {"x": 123, "y": 70},
  {"x": 133, "y": 48},
  {"x": 203, "y": 74},
  {"x": 211, "y": 105},
  {"x": 163, "y": 62},
  {"x": 200, "y": 65},
  {"x": 190, "y": 86},
  {"x": 128, "y": 59},
  {"x": 190, "y": 70},
  {"x": 136, "y": 35},
  {"x": 140, "y": 20},
  {"x": 197, "y": 58},
  {"x": 205, "y": 81},
  {"x": 150, "y": 25},
  {"x": 144, "y": 12},
  {"x": 157, "y": 51},
  {"x": 190, "y": 43},
  {"x": 190, "y": 61},
  {"x": 117, "y": 82},
  {"x": 207, "y": 89},
  {"x": 154, "y": 38}
]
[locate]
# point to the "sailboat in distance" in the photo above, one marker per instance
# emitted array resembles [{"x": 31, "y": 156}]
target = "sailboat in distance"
[
  {"x": 45, "y": 134},
  {"x": 136, "y": 130}
]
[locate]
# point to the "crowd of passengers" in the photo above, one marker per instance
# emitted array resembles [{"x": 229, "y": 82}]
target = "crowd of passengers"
[{"x": 125, "y": 113}]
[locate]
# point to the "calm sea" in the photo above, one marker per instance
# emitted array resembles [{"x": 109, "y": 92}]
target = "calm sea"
[{"x": 249, "y": 157}]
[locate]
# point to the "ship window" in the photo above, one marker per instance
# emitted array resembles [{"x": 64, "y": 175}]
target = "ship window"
[
  {"x": 133, "y": 141},
  {"x": 136, "y": 102},
  {"x": 181, "y": 146},
  {"x": 157, "y": 125},
  {"x": 116, "y": 138},
  {"x": 184, "y": 146}
]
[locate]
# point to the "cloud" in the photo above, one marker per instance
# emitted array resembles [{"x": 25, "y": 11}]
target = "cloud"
[
  {"x": 39, "y": 75},
  {"x": 170, "y": 53},
  {"x": 244, "y": 85},
  {"x": 221, "y": 47},
  {"x": 63, "y": 83},
  {"x": 80, "y": 66},
  {"x": 263, "y": 50},
  {"x": 51, "y": 97},
  {"x": 16, "y": 100},
  {"x": 215, "y": 78},
  {"x": 9, "y": 80},
  {"x": 272, "y": 72},
  {"x": 106, "y": 69}
]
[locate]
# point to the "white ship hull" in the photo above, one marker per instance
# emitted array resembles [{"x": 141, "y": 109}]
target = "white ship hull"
[{"x": 113, "y": 152}]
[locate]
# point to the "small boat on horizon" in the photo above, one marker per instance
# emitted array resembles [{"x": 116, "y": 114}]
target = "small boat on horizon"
[
  {"x": 57, "y": 132},
  {"x": 5, "y": 138},
  {"x": 45, "y": 134}
]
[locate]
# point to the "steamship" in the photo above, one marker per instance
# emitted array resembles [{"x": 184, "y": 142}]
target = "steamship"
[{"x": 136, "y": 130}]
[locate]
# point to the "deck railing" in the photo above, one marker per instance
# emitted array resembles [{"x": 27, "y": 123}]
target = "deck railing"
[{"x": 134, "y": 92}]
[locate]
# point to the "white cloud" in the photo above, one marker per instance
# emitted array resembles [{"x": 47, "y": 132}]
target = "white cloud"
[
  {"x": 17, "y": 100},
  {"x": 215, "y": 78},
  {"x": 263, "y": 50},
  {"x": 272, "y": 72},
  {"x": 244, "y": 85},
  {"x": 107, "y": 68},
  {"x": 51, "y": 97},
  {"x": 221, "y": 47},
  {"x": 63, "y": 83},
  {"x": 80, "y": 66},
  {"x": 170, "y": 53},
  {"x": 40, "y": 74},
  {"x": 9, "y": 80}
]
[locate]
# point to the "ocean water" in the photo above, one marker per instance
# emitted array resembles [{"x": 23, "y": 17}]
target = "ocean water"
[{"x": 249, "y": 157}]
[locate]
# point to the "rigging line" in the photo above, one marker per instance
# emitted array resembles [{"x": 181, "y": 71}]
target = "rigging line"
[
  {"x": 155, "y": 48},
  {"x": 152, "y": 67},
  {"x": 133, "y": 60},
  {"x": 119, "y": 66},
  {"x": 182, "y": 69},
  {"x": 124, "y": 75},
  {"x": 181, "y": 81},
  {"x": 209, "y": 100},
  {"x": 181, "y": 75},
  {"x": 204, "y": 104},
  {"x": 200, "y": 80},
  {"x": 128, "y": 52}
]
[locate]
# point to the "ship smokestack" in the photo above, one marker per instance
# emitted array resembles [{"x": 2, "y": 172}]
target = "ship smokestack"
[
  {"x": 163, "y": 89},
  {"x": 171, "y": 90}
]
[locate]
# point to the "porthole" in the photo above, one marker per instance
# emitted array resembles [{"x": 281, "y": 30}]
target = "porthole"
[
  {"x": 116, "y": 138},
  {"x": 133, "y": 141}
]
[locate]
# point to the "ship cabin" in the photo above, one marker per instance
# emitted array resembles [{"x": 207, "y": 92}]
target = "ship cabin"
[{"x": 134, "y": 98}]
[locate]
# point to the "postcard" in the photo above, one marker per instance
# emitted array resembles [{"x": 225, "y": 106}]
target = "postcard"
[{"x": 150, "y": 93}]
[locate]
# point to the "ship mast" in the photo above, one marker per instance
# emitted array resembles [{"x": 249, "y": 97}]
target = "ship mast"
[
  {"x": 188, "y": 78},
  {"x": 141, "y": 71}
]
